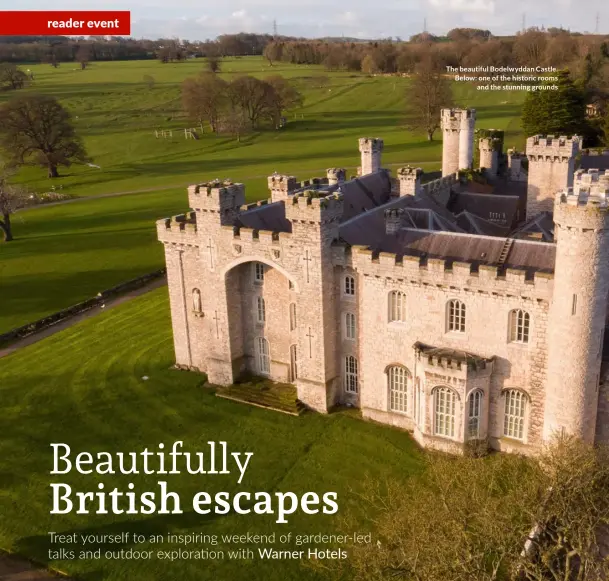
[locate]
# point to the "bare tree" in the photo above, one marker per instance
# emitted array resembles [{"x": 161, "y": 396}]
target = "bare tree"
[
  {"x": 83, "y": 55},
  {"x": 429, "y": 92},
  {"x": 273, "y": 51},
  {"x": 254, "y": 96},
  {"x": 12, "y": 77},
  {"x": 487, "y": 519},
  {"x": 11, "y": 199},
  {"x": 214, "y": 64},
  {"x": 204, "y": 97},
  {"x": 284, "y": 97},
  {"x": 37, "y": 128}
]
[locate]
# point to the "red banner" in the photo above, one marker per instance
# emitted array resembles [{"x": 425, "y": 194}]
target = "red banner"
[{"x": 65, "y": 22}]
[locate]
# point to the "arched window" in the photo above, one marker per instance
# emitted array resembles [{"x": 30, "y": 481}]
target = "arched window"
[
  {"x": 196, "y": 300},
  {"x": 397, "y": 378},
  {"x": 292, "y": 316},
  {"x": 397, "y": 306},
  {"x": 455, "y": 315},
  {"x": 260, "y": 310},
  {"x": 258, "y": 272},
  {"x": 444, "y": 420},
  {"x": 351, "y": 377},
  {"x": 349, "y": 286},
  {"x": 475, "y": 414},
  {"x": 262, "y": 356},
  {"x": 515, "y": 409},
  {"x": 350, "y": 329},
  {"x": 293, "y": 363},
  {"x": 519, "y": 326}
]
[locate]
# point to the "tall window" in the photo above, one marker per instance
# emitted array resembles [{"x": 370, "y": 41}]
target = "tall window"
[
  {"x": 419, "y": 402},
  {"x": 350, "y": 286},
  {"x": 293, "y": 363},
  {"x": 513, "y": 420},
  {"x": 350, "y": 331},
  {"x": 351, "y": 378},
  {"x": 398, "y": 388},
  {"x": 397, "y": 306},
  {"x": 445, "y": 412},
  {"x": 258, "y": 272},
  {"x": 519, "y": 326},
  {"x": 292, "y": 316},
  {"x": 475, "y": 413},
  {"x": 260, "y": 310},
  {"x": 262, "y": 356},
  {"x": 456, "y": 316}
]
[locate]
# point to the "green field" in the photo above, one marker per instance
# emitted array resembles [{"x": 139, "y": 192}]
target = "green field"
[
  {"x": 64, "y": 253},
  {"x": 84, "y": 387}
]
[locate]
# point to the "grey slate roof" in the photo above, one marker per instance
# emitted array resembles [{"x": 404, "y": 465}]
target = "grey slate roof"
[{"x": 268, "y": 217}]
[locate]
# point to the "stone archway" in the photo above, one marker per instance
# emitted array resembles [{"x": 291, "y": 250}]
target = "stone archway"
[{"x": 259, "y": 295}]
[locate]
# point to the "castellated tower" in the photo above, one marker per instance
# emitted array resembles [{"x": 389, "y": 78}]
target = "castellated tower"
[
  {"x": 551, "y": 167},
  {"x": 336, "y": 175},
  {"x": 217, "y": 203},
  {"x": 578, "y": 310},
  {"x": 371, "y": 150},
  {"x": 281, "y": 186},
  {"x": 315, "y": 221},
  {"x": 409, "y": 179},
  {"x": 489, "y": 155},
  {"x": 458, "y": 127}
]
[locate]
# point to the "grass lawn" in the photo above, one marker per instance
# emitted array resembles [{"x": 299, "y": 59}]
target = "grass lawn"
[
  {"x": 84, "y": 387},
  {"x": 66, "y": 253}
]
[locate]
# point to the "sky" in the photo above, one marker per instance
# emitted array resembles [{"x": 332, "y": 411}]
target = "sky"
[{"x": 199, "y": 20}]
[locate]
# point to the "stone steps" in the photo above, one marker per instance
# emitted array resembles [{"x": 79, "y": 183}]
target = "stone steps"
[{"x": 277, "y": 397}]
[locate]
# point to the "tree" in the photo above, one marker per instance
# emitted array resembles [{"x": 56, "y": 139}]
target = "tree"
[
  {"x": 11, "y": 199},
  {"x": 253, "y": 96},
  {"x": 284, "y": 97},
  {"x": 214, "y": 64},
  {"x": 204, "y": 97},
  {"x": 37, "y": 126},
  {"x": 12, "y": 77},
  {"x": 560, "y": 112},
  {"x": 487, "y": 519},
  {"x": 429, "y": 92},
  {"x": 83, "y": 55},
  {"x": 273, "y": 52},
  {"x": 606, "y": 129}
]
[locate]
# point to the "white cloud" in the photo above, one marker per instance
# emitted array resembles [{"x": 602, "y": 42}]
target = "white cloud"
[
  {"x": 239, "y": 14},
  {"x": 465, "y": 5}
]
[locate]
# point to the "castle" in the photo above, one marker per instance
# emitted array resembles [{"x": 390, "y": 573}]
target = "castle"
[{"x": 456, "y": 308}]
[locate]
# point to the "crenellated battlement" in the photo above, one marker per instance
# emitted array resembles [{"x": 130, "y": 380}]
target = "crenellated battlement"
[
  {"x": 336, "y": 175},
  {"x": 593, "y": 181},
  {"x": 371, "y": 144},
  {"x": 443, "y": 272},
  {"x": 218, "y": 196},
  {"x": 178, "y": 229},
  {"x": 309, "y": 206},
  {"x": 282, "y": 182},
  {"x": 254, "y": 205},
  {"x": 457, "y": 119},
  {"x": 409, "y": 173},
  {"x": 490, "y": 143},
  {"x": 552, "y": 148}
]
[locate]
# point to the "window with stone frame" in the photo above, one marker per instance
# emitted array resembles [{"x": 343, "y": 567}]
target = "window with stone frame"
[
  {"x": 474, "y": 414},
  {"x": 292, "y": 316},
  {"x": 258, "y": 272},
  {"x": 260, "y": 310},
  {"x": 350, "y": 327},
  {"x": 351, "y": 379},
  {"x": 455, "y": 316},
  {"x": 263, "y": 358},
  {"x": 349, "y": 288},
  {"x": 444, "y": 416},
  {"x": 520, "y": 322},
  {"x": 293, "y": 363},
  {"x": 397, "y": 379},
  {"x": 397, "y": 306},
  {"x": 514, "y": 414}
]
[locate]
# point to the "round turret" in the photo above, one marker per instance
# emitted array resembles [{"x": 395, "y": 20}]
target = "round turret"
[{"x": 578, "y": 311}]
